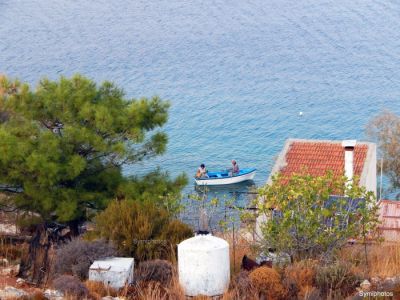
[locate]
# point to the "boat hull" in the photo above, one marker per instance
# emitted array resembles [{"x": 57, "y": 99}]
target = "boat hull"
[{"x": 249, "y": 175}]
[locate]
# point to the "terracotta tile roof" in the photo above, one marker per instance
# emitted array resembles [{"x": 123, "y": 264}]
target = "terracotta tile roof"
[{"x": 318, "y": 157}]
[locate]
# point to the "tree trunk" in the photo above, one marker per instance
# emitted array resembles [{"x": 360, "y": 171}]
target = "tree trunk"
[
  {"x": 35, "y": 265},
  {"x": 74, "y": 228}
]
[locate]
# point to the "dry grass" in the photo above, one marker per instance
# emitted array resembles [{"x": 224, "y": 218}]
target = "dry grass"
[
  {"x": 383, "y": 259},
  {"x": 239, "y": 245},
  {"x": 97, "y": 290},
  {"x": 155, "y": 291},
  {"x": 241, "y": 288},
  {"x": 11, "y": 252}
]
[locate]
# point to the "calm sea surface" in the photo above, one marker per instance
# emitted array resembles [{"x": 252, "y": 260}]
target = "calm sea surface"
[{"x": 237, "y": 73}]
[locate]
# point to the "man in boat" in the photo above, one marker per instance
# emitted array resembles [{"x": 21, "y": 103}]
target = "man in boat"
[
  {"x": 201, "y": 172},
  {"x": 235, "y": 168}
]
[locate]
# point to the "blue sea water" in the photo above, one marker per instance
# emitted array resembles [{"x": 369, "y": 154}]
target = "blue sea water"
[{"x": 237, "y": 73}]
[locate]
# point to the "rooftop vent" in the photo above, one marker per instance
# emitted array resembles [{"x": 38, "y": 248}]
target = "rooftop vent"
[{"x": 348, "y": 146}]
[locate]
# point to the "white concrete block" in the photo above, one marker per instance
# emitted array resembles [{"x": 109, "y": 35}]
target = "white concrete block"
[{"x": 115, "y": 271}]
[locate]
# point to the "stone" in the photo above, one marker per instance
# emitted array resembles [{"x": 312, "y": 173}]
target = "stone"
[
  {"x": 5, "y": 271},
  {"x": 10, "y": 292},
  {"x": 20, "y": 281},
  {"x": 375, "y": 280},
  {"x": 53, "y": 294},
  {"x": 388, "y": 284},
  {"x": 10, "y": 270},
  {"x": 277, "y": 260},
  {"x": 365, "y": 285}
]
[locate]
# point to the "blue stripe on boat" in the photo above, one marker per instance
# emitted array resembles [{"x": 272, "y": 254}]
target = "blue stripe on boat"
[{"x": 225, "y": 174}]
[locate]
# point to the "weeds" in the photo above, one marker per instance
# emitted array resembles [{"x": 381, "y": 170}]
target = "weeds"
[{"x": 70, "y": 286}]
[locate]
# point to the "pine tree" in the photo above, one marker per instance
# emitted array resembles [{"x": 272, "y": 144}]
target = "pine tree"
[{"x": 62, "y": 149}]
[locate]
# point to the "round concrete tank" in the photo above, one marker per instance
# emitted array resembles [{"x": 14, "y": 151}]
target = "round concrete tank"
[{"x": 203, "y": 265}]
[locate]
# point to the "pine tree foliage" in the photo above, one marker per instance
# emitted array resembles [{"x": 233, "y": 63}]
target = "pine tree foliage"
[{"x": 64, "y": 143}]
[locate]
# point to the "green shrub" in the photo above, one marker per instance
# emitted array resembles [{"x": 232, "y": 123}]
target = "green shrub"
[{"x": 141, "y": 229}]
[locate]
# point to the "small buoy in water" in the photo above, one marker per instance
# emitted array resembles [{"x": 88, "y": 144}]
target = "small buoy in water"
[{"x": 300, "y": 113}]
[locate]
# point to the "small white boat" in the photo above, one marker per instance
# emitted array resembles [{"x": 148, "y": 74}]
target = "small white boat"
[{"x": 223, "y": 177}]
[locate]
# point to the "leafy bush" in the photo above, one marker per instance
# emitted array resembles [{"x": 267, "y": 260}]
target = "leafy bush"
[
  {"x": 336, "y": 277},
  {"x": 141, "y": 229},
  {"x": 267, "y": 281},
  {"x": 70, "y": 286},
  {"x": 157, "y": 270},
  {"x": 303, "y": 220},
  {"x": 76, "y": 257}
]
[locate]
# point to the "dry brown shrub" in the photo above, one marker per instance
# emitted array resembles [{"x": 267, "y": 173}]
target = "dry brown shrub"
[
  {"x": 75, "y": 257},
  {"x": 157, "y": 270},
  {"x": 70, "y": 286},
  {"x": 292, "y": 290},
  {"x": 336, "y": 279},
  {"x": 98, "y": 289},
  {"x": 396, "y": 290},
  {"x": 241, "y": 288},
  {"x": 267, "y": 281},
  {"x": 312, "y": 294},
  {"x": 302, "y": 275}
]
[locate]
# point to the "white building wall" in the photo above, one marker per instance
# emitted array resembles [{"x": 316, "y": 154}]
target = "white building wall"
[{"x": 369, "y": 175}]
